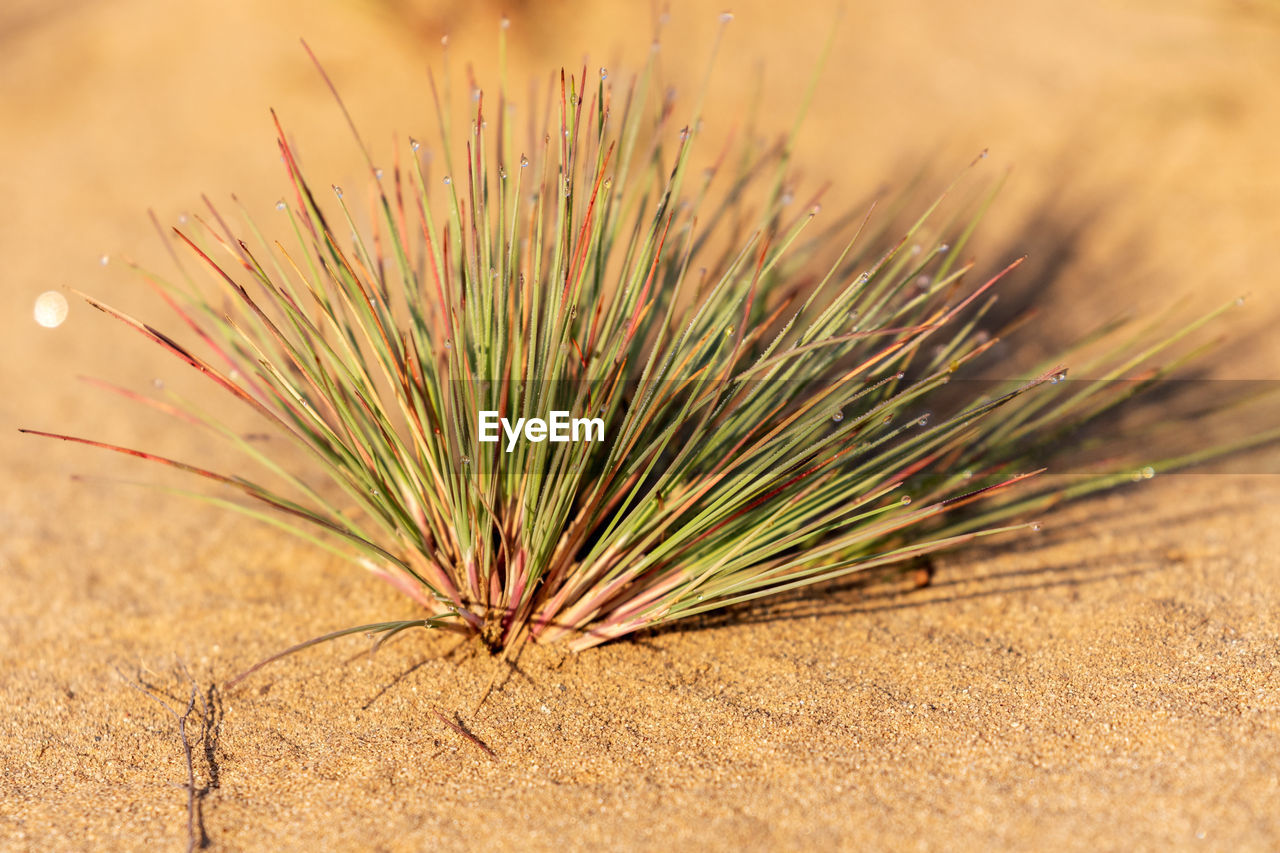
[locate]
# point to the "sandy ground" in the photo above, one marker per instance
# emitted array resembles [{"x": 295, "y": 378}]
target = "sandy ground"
[{"x": 1109, "y": 684}]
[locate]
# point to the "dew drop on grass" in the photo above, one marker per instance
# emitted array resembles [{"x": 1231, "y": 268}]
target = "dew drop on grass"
[
  {"x": 337, "y": 190},
  {"x": 466, "y": 460},
  {"x": 944, "y": 248},
  {"x": 280, "y": 205},
  {"x": 448, "y": 180},
  {"x": 967, "y": 475},
  {"x": 377, "y": 173},
  {"x": 448, "y": 344},
  {"x": 1036, "y": 527},
  {"x": 906, "y": 500},
  {"x": 726, "y": 17},
  {"x": 524, "y": 161},
  {"x": 924, "y": 420},
  {"x": 414, "y": 144},
  {"x": 51, "y": 309},
  {"x": 1060, "y": 376},
  {"x": 502, "y": 173},
  {"x": 838, "y": 416},
  {"x": 604, "y": 73}
]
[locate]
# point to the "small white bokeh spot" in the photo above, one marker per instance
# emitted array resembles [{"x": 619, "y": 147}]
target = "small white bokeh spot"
[{"x": 51, "y": 309}]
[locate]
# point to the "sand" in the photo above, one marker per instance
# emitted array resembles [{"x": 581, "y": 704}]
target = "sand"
[{"x": 1111, "y": 683}]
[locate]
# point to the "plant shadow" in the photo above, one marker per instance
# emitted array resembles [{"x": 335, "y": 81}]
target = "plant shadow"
[
  {"x": 886, "y": 590},
  {"x": 1054, "y": 238}
]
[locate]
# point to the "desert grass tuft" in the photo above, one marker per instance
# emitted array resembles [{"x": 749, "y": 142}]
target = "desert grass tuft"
[{"x": 779, "y": 398}]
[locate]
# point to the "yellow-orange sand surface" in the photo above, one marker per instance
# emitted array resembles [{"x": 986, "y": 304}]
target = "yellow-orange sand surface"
[{"x": 1111, "y": 683}]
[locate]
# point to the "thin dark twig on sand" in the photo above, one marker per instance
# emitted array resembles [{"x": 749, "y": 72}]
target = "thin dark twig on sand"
[
  {"x": 466, "y": 734},
  {"x": 196, "y": 836}
]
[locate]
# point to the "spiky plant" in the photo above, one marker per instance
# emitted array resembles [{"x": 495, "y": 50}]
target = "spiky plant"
[{"x": 763, "y": 383}]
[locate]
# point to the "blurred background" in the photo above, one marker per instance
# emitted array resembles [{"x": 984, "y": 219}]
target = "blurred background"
[
  {"x": 1140, "y": 143},
  {"x": 1139, "y": 138}
]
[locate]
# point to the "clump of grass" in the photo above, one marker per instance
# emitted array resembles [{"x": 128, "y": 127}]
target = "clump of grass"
[{"x": 764, "y": 382}]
